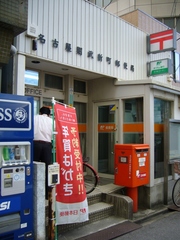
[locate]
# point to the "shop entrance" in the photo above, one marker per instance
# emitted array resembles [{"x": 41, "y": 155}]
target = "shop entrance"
[{"x": 106, "y": 136}]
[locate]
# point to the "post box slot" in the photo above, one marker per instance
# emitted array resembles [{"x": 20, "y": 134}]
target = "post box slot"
[{"x": 142, "y": 150}]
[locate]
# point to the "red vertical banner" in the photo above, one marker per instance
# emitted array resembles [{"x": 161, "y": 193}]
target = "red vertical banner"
[{"x": 71, "y": 200}]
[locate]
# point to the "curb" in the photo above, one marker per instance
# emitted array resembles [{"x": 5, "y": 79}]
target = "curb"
[{"x": 152, "y": 215}]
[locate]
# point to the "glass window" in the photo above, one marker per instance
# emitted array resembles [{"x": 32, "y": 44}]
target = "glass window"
[
  {"x": 133, "y": 138},
  {"x": 36, "y": 106},
  {"x": 106, "y": 3},
  {"x": 81, "y": 118},
  {"x": 52, "y": 81},
  {"x": 102, "y": 3},
  {"x": 79, "y": 86},
  {"x": 133, "y": 110},
  {"x": 99, "y": 3},
  {"x": 169, "y": 22},
  {"x": 160, "y": 19},
  {"x": 176, "y": 64},
  {"x": 80, "y": 111},
  {"x": 31, "y": 77},
  {"x": 47, "y": 102},
  {"x": 178, "y": 24},
  {"x": 106, "y": 137},
  {"x": 162, "y": 109},
  {"x": 174, "y": 139},
  {"x": 105, "y": 115},
  {"x": 133, "y": 121}
]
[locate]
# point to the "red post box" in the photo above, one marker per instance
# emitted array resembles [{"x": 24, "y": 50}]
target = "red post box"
[{"x": 131, "y": 168}]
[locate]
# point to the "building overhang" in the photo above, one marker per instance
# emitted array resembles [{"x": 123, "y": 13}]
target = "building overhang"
[{"x": 152, "y": 84}]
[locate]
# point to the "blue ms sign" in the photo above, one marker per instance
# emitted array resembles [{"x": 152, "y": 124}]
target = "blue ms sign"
[
  {"x": 15, "y": 115},
  {"x": 9, "y": 205}
]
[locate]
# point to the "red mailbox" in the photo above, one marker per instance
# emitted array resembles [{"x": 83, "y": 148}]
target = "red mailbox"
[{"x": 132, "y": 167}]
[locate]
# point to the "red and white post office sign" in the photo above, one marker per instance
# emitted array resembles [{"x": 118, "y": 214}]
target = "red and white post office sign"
[{"x": 161, "y": 41}]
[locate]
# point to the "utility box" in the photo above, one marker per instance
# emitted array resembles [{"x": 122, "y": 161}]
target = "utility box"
[{"x": 131, "y": 165}]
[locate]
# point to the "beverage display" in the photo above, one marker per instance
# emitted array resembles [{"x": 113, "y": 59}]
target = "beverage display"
[
  {"x": 5, "y": 153},
  {"x": 14, "y": 153},
  {"x": 22, "y": 153},
  {"x": 11, "y": 152},
  {"x": 17, "y": 152}
]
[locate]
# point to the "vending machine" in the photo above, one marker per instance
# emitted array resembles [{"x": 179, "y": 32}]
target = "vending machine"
[{"x": 16, "y": 167}]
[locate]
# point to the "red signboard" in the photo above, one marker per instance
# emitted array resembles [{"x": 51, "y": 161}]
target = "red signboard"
[
  {"x": 162, "y": 41},
  {"x": 71, "y": 200}
]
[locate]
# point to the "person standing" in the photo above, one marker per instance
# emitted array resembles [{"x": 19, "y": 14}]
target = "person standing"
[{"x": 43, "y": 130}]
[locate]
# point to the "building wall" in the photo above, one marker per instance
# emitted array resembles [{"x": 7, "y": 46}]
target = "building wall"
[
  {"x": 91, "y": 28},
  {"x": 146, "y": 23},
  {"x": 155, "y": 8},
  {"x": 84, "y": 25},
  {"x": 111, "y": 92},
  {"x": 13, "y": 21},
  {"x": 6, "y": 41}
]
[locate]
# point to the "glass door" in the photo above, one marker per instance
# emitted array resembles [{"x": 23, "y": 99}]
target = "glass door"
[
  {"x": 36, "y": 105},
  {"x": 106, "y": 136}
]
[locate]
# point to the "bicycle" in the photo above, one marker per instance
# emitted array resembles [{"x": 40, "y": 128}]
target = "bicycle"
[
  {"x": 176, "y": 187},
  {"x": 91, "y": 177}
]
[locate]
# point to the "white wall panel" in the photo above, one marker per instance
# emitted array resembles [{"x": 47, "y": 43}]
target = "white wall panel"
[
  {"x": 93, "y": 29},
  {"x": 55, "y": 28}
]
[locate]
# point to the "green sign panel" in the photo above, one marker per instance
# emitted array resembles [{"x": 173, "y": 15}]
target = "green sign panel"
[
  {"x": 159, "y": 71},
  {"x": 160, "y": 67}
]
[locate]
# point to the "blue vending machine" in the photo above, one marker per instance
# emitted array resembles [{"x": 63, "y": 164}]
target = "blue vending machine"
[{"x": 16, "y": 167}]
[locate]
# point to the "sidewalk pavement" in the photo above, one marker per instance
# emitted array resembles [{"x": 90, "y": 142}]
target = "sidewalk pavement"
[
  {"x": 139, "y": 217},
  {"x": 145, "y": 214}
]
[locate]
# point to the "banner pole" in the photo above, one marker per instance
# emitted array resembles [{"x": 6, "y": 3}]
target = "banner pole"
[
  {"x": 52, "y": 234},
  {"x": 53, "y": 141}
]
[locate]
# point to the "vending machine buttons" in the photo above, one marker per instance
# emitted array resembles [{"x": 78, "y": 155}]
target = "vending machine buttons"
[{"x": 28, "y": 171}]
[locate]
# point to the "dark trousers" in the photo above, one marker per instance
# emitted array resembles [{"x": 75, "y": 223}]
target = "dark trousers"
[{"x": 43, "y": 153}]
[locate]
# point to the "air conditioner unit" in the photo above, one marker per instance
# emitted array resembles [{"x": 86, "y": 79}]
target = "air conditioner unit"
[{"x": 32, "y": 30}]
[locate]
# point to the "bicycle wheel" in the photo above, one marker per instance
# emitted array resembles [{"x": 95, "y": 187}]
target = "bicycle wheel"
[
  {"x": 90, "y": 178},
  {"x": 176, "y": 193}
]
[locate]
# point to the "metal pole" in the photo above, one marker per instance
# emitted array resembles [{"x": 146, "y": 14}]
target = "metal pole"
[
  {"x": 52, "y": 228},
  {"x": 51, "y": 213},
  {"x": 166, "y": 154}
]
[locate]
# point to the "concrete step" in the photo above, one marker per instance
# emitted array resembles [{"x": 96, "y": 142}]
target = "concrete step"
[
  {"x": 94, "y": 198},
  {"x": 90, "y": 228},
  {"x": 97, "y": 212},
  {"x": 101, "y": 212}
]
